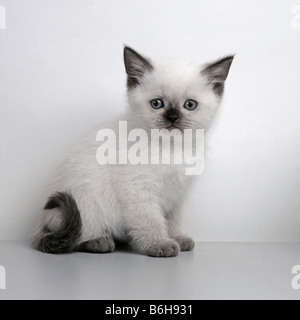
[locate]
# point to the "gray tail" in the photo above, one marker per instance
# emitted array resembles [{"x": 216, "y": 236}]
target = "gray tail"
[{"x": 66, "y": 238}]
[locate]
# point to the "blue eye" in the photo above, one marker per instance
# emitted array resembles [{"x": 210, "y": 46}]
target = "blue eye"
[
  {"x": 190, "y": 105},
  {"x": 157, "y": 103}
]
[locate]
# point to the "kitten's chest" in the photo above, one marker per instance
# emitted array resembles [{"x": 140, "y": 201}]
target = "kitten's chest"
[{"x": 173, "y": 184}]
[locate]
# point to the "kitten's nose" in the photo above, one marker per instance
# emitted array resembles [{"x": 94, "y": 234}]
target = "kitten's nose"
[
  {"x": 172, "y": 117},
  {"x": 172, "y": 114}
]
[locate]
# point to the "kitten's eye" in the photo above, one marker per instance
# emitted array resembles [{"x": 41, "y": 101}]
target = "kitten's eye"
[
  {"x": 190, "y": 104},
  {"x": 157, "y": 103}
]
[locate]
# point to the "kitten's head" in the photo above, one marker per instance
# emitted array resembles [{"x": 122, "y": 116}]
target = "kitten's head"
[{"x": 175, "y": 96}]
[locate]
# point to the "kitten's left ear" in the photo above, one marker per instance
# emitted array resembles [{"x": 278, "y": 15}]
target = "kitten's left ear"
[
  {"x": 136, "y": 66},
  {"x": 217, "y": 73}
]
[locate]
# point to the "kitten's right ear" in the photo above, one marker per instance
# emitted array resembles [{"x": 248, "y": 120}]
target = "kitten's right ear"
[
  {"x": 135, "y": 66},
  {"x": 217, "y": 73}
]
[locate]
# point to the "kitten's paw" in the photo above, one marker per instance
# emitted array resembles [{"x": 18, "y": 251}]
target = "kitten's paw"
[
  {"x": 99, "y": 245},
  {"x": 185, "y": 243},
  {"x": 169, "y": 248}
]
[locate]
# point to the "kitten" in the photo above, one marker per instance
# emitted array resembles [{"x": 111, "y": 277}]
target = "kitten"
[{"x": 93, "y": 206}]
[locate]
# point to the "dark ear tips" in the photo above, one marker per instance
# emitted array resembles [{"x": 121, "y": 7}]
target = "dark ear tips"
[
  {"x": 217, "y": 73},
  {"x": 127, "y": 52},
  {"x": 128, "y": 49},
  {"x": 136, "y": 65},
  {"x": 226, "y": 63}
]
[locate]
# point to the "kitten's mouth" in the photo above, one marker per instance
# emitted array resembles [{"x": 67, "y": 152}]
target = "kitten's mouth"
[{"x": 173, "y": 126}]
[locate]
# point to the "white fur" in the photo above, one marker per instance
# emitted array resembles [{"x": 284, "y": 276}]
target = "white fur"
[{"x": 141, "y": 203}]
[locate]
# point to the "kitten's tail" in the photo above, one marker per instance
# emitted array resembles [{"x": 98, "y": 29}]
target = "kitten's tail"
[{"x": 60, "y": 229}]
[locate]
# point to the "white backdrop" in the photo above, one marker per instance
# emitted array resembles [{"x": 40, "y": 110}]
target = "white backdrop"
[{"x": 61, "y": 71}]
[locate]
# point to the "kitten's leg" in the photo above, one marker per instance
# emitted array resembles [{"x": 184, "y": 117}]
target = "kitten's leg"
[
  {"x": 100, "y": 245},
  {"x": 186, "y": 243},
  {"x": 174, "y": 229},
  {"x": 149, "y": 233}
]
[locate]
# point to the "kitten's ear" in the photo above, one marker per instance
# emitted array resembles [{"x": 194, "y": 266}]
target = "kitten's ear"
[
  {"x": 217, "y": 73},
  {"x": 135, "y": 66}
]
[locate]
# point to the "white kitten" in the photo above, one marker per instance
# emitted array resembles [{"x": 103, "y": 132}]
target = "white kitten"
[{"x": 93, "y": 206}]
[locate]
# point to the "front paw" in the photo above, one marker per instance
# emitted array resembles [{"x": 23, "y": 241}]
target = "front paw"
[
  {"x": 185, "y": 243},
  {"x": 169, "y": 248}
]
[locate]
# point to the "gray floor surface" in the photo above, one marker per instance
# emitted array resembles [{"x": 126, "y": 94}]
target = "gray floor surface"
[{"x": 211, "y": 271}]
